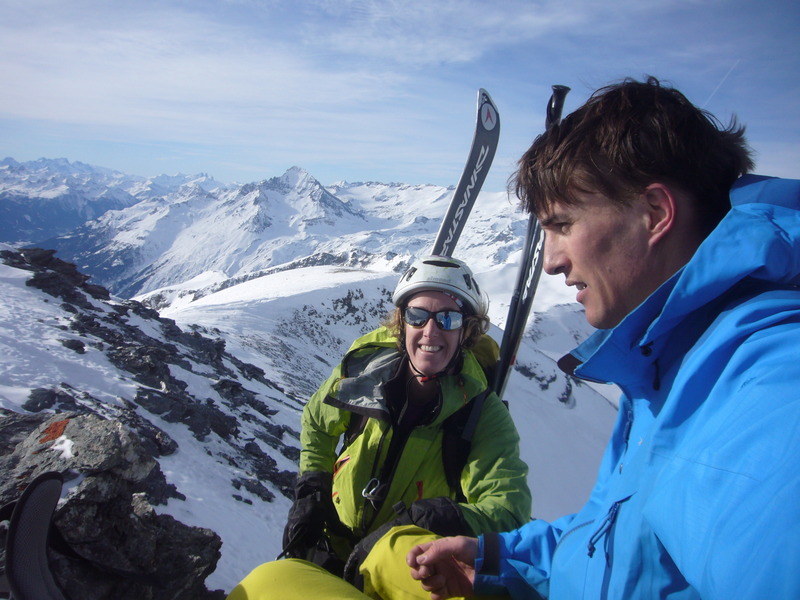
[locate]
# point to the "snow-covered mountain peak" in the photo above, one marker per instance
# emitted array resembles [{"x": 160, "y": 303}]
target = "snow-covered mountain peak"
[{"x": 297, "y": 177}]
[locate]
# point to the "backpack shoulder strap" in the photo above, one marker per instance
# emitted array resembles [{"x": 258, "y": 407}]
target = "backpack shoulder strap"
[{"x": 458, "y": 431}]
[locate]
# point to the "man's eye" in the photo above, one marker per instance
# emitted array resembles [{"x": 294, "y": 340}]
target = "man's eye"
[{"x": 557, "y": 227}]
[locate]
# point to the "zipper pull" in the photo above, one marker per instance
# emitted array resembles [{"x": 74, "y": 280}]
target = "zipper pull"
[
  {"x": 605, "y": 527},
  {"x": 626, "y": 434}
]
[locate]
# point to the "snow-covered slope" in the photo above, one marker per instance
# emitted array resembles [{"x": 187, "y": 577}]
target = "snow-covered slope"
[
  {"x": 226, "y": 433},
  {"x": 287, "y": 273}
]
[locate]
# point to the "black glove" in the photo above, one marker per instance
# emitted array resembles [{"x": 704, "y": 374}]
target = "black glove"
[
  {"x": 363, "y": 548},
  {"x": 440, "y": 515},
  {"x": 308, "y": 515}
]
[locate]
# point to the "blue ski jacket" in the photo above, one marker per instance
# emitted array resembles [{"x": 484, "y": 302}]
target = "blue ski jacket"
[{"x": 698, "y": 494}]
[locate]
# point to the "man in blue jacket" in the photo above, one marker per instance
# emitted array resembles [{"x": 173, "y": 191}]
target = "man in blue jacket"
[{"x": 690, "y": 271}]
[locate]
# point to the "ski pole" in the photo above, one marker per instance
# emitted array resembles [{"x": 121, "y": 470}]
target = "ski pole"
[{"x": 530, "y": 269}]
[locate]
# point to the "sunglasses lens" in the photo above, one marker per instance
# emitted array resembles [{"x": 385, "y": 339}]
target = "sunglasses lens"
[
  {"x": 447, "y": 320},
  {"x": 416, "y": 317}
]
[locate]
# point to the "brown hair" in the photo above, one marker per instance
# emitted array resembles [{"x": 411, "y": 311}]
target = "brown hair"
[{"x": 627, "y": 136}]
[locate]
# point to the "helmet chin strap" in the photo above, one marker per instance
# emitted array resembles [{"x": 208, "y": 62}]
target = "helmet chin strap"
[{"x": 453, "y": 360}]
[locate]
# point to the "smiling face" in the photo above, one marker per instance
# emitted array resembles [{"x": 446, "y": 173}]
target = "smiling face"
[
  {"x": 429, "y": 348},
  {"x": 603, "y": 250}
]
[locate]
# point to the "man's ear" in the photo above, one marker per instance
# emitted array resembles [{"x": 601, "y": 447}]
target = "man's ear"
[{"x": 661, "y": 206}]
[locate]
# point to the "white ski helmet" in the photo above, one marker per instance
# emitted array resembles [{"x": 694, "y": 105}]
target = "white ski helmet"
[{"x": 440, "y": 274}]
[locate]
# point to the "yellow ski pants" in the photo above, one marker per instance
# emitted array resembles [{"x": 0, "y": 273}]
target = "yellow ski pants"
[{"x": 386, "y": 575}]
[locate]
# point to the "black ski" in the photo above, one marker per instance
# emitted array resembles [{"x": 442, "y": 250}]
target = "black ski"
[
  {"x": 26, "y": 568},
  {"x": 530, "y": 269},
  {"x": 484, "y": 146}
]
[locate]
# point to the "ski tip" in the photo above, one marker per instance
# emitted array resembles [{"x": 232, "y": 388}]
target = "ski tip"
[
  {"x": 488, "y": 116},
  {"x": 27, "y": 571},
  {"x": 484, "y": 96}
]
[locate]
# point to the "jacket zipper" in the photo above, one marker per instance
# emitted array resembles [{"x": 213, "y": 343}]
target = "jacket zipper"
[
  {"x": 569, "y": 533},
  {"x": 604, "y": 528}
]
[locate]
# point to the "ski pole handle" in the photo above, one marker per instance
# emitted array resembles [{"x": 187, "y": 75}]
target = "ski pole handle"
[{"x": 556, "y": 105}]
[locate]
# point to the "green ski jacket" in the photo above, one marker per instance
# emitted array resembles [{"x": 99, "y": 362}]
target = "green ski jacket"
[{"x": 494, "y": 479}]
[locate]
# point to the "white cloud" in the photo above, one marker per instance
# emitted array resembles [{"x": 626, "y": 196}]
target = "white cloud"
[
  {"x": 172, "y": 69},
  {"x": 384, "y": 84},
  {"x": 420, "y": 32}
]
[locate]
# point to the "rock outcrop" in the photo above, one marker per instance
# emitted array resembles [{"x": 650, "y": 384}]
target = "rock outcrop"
[{"x": 107, "y": 514}]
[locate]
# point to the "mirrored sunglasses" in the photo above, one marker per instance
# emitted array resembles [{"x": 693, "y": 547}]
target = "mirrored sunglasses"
[{"x": 446, "y": 320}]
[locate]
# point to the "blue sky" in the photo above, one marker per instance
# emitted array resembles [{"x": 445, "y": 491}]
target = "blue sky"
[{"x": 368, "y": 90}]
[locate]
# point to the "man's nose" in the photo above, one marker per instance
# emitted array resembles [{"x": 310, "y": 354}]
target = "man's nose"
[{"x": 553, "y": 258}]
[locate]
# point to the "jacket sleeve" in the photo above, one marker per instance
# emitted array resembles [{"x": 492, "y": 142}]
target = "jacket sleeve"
[
  {"x": 322, "y": 426},
  {"x": 495, "y": 478},
  {"x": 517, "y": 562},
  {"x": 520, "y": 561}
]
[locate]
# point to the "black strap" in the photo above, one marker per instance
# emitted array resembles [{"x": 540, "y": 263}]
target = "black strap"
[
  {"x": 355, "y": 427},
  {"x": 457, "y": 434},
  {"x": 5, "y": 515}
]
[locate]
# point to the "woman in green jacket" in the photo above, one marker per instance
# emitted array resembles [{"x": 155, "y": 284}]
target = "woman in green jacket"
[{"x": 383, "y": 439}]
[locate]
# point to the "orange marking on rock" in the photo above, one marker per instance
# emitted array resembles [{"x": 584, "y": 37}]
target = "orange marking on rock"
[{"x": 54, "y": 431}]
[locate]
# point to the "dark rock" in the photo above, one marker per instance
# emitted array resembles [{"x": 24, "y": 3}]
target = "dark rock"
[
  {"x": 201, "y": 418},
  {"x": 149, "y": 365},
  {"x": 129, "y": 551},
  {"x": 42, "y": 399},
  {"x": 76, "y": 345},
  {"x": 55, "y": 276},
  {"x": 254, "y": 487}
]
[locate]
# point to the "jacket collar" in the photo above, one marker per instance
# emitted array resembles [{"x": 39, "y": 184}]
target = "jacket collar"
[
  {"x": 759, "y": 239},
  {"x": 373, "y": 360}
]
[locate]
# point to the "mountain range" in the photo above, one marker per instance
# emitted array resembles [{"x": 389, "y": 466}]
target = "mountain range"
[{"x": 283, "y": 273}]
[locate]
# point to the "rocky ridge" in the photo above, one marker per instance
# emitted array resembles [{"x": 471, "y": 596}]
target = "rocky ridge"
[{"x": 108, "y": 451}]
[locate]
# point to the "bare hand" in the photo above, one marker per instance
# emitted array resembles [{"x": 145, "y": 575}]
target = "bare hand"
[{"x": 445, "y": 567}]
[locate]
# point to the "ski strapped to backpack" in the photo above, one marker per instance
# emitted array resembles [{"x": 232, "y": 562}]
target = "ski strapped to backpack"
[
  {"x": 27, "y": 572},
  {"x": 481, "y": 155},
  {"x": 31, "y": 533},
  {"x": 530, "y": 269}
]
